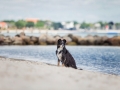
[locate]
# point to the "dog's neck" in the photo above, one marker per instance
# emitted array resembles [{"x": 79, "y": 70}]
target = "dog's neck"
[{"x": 60, "y": 47}]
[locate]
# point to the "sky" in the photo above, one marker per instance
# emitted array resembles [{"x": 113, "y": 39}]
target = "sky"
[{"x": 61, "y": 10}]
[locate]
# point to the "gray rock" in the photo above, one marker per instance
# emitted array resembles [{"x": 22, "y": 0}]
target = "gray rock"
[
  {"x": 22, "y": 34},
  {"x": 74, "y": 38},
  {"x": 34, "y": 39},
  {"x": 68, "y": 39},
  {"x": 82, "y": 41},
  {"x": 43, "y": 38},
  {"x": 90, "y": 40},
  {"x": 50, "y": 40},
  {"x": 26, "y": 39},
  {"x": 7, "y": 40},
  {"x": 17, "y": 41},
  {"x": 1, "y": 39}
]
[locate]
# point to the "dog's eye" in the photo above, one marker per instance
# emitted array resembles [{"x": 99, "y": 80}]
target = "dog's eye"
[{"x": 59, "y": 42}]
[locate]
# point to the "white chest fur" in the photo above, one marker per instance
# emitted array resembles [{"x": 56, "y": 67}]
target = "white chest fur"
[{"x": 59, "y": 53}]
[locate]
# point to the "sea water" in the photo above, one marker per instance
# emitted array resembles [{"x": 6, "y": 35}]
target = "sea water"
[
  {"x": 82, "y": 34},
  {"x": 103, "y": 59}
]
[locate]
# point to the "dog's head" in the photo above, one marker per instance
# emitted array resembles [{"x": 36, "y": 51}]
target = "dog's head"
[{"x": 61, "y": 43}]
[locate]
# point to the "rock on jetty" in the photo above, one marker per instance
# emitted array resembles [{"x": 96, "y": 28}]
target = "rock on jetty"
[{"x": 45, "y": 39}]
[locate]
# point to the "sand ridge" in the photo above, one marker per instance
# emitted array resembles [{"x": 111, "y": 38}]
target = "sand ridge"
[{"x": 18, "y": 74}]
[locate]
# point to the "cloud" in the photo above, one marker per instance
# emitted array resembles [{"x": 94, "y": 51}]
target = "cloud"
[
  {"x": 61, "y": 10},
  {"x": 91, "y": 17}
]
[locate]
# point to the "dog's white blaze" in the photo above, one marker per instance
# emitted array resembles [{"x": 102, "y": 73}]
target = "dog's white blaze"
[{"x": 59, "y": 55}]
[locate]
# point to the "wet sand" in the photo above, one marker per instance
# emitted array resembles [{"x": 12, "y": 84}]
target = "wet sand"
[{"x": 33, "y": 75}]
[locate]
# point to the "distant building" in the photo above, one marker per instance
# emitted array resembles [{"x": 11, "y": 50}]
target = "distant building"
[
  {"x": 34, "y": 20},
  {"x": 68, "y": 25},
  {"x": 3, "y": 25},
  {"x": 77, "y": 26},
  {"x": 106, "y": 27},
  {"x": 97, "y": 25}
]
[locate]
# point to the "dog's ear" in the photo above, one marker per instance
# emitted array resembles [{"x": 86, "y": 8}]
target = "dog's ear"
[
  {"x": 64, "y": 40},
  {"x": 59, "y": 40}
]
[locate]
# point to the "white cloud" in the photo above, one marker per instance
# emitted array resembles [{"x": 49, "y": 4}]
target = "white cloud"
[
  {"x": 91, "y": 17},
  {"x": 89, "y": 2},
  {"x": 61, "y": 10}
]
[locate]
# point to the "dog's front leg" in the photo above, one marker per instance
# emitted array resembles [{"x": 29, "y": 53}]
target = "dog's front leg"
[
  {"x": 58, "y": 62},
  {"x": 63, "y": 64}
]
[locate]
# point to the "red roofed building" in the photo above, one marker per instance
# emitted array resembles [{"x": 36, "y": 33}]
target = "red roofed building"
[
  {"x": 3, "y": 25},
  {"x": 32, "y": 20}
]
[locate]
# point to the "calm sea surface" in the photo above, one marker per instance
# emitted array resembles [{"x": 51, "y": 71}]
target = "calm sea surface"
[{"x": 93, "y": 58}]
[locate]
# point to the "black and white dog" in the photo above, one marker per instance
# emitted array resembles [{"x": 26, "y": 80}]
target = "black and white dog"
[{"x": 64, "y": 56}]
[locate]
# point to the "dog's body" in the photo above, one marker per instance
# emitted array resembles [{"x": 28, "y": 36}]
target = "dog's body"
[{"x": 64, "y": 56}]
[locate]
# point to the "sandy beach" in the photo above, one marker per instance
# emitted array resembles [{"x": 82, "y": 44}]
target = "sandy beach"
[{"x": 33, "y": 75}]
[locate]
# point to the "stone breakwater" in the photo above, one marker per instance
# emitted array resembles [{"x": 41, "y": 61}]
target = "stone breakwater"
[{"x": 44, "y": 39}]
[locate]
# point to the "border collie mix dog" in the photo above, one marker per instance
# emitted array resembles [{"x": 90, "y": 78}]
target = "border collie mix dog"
[{"x": 64, "y": 56}]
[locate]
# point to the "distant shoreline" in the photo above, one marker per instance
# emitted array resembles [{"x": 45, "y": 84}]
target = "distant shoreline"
[{"x": 59, "y": 31}]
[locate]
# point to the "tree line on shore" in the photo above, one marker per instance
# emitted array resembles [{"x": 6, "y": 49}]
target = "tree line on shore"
[{"x": 45, "y": 24}]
